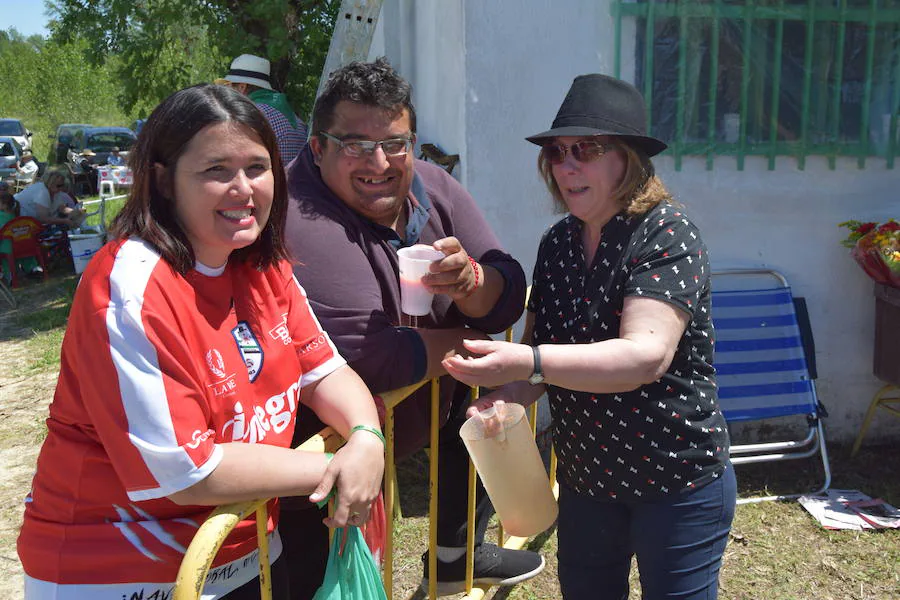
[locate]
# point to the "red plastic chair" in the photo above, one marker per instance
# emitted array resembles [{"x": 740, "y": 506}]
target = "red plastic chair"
[{"x": 23, "y": 233}]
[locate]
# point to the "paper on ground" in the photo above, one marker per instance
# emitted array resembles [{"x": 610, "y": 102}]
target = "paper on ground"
[{"x": 850, "y": 509}]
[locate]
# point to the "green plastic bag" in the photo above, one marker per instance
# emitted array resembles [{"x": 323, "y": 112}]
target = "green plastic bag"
[{"x": 351, "y": 575}]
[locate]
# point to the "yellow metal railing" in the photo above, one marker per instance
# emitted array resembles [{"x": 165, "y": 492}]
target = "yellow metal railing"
[{"x": 211, "y": 535}]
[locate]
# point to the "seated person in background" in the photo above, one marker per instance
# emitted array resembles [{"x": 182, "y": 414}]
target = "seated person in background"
[
  {"x": 9, "y": 210},
  {"x": 9, "y": 207},
  {"x": 49, "y": 202},
  {"x": 115, "y": 159},
  {"x": 85, "y": 161},
  {"x": 27, "y": 168}
]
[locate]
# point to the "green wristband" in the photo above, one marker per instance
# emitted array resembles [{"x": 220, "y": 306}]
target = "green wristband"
[
  {"x": 333, "y": 492},
  {"x": 370, "y": 429}
]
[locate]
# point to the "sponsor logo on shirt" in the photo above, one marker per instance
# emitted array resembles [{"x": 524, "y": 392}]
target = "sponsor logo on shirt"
[
  {"x": 224, "y": 383},
  {"x": 250, "y": 349},
  {"x": 274, "y": 415},
  {"x": 215, "y": 363},
  {"x": 198, "y": 437},
  {"x": 280, "y": 331},
  {"x": 313, "y": 344}
]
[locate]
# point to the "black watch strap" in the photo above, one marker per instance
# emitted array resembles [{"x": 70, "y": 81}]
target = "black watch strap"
[{"x": 537, "y": 376}]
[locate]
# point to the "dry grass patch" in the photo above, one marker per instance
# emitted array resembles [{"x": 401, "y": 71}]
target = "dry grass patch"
[{"x": 776, "y": 552}]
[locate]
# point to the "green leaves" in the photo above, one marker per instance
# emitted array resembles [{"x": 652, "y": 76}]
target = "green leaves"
[
  {"x": 108, "y": 62},
  {"x": 156, "y": 47},
  {"x": 47, "y": 83}
]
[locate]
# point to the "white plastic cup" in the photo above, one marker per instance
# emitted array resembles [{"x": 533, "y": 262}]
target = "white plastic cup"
[
  {"x": 415, "y": 299},
  {"x": 501, "y": 445}
]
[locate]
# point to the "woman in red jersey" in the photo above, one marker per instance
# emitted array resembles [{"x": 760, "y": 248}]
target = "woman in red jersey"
[{"x": 188, "y": 348}]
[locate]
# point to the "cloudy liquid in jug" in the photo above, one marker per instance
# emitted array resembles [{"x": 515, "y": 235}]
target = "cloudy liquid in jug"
[{"x": 513, "y": 474}]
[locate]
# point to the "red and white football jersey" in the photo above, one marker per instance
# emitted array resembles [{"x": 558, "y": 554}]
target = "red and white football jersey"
[{"x": 158, "y": 369}]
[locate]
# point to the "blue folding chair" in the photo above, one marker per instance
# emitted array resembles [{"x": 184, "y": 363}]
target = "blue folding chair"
[{"x": 764, "y": 357}]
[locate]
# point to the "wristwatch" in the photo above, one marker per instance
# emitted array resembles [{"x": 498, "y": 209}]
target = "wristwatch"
[{"x": 537, "y": 376}]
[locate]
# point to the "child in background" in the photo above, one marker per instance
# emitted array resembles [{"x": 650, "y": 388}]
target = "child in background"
[{"x": 8, "y": 211}]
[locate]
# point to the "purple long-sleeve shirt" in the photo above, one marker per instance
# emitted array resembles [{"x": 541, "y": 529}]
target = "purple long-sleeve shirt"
[{"x": 348, "y": 267}]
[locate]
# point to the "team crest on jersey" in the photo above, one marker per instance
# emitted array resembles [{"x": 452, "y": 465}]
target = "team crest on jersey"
[
  {"x": 215, "y": 363},
  {"x": 251, "y": 351}
]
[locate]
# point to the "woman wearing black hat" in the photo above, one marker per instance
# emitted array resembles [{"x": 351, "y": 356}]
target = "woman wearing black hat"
[{"x": 619, "y": 336}]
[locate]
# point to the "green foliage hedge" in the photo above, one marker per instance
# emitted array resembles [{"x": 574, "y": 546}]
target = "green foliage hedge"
[{"x": 46, "y": 84}]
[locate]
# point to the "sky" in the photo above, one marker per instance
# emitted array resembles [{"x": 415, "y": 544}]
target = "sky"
[{"x": 25, "y": 15}]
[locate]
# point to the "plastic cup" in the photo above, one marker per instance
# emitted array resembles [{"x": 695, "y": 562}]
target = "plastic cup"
[{"x": 415, "y": 299}]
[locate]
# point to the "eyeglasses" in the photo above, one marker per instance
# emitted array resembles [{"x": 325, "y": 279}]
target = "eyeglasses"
[
  {"x": 583, "y": 151},
  {"x": 356, "y": 148}
]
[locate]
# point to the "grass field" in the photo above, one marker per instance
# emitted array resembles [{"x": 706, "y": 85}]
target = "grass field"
[{"x": 776, "y": 551}]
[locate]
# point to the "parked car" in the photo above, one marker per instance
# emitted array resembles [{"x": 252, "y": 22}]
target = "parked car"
[
  {"x": 59, "y": 150},
  {"x": 136, "y": 126},
  {"x": 101, "y": 140},
  {"x": 13, "y": 128},
  {"x": 10, "y": 154}
]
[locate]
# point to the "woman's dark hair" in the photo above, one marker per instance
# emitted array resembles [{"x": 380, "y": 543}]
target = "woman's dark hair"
[
  {"x": 149, "y": 213},
  {"x": 374, "y": 84},
  {"x": 9, "y": 203}
]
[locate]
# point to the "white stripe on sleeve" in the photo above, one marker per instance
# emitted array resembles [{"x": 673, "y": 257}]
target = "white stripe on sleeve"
[{"x": 141, "y": 383}]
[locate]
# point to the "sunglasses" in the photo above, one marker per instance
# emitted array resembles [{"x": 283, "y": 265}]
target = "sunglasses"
[
  {"x": 356, "y": 148},
  {"x": 583, "y": 151}
]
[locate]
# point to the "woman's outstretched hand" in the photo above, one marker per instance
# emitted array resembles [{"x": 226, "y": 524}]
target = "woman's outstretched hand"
[{"x": 492, "y": 363}]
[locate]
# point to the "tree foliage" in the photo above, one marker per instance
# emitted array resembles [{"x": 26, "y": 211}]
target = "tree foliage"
[
  {"x": 165, "y": 45},
  {"x": 47, "y": 84}
]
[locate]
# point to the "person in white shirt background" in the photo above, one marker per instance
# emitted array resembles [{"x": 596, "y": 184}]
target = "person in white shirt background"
[
  {"x": 27, "y": 169},
  {"x": 49, "y": 202}
]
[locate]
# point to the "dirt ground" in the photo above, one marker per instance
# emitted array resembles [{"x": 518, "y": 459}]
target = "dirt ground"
[
  {"x": 776, "y": 552},
  {"x": 24, "y": 399}
]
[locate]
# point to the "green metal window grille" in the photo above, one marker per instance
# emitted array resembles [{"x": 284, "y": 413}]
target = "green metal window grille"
[{"x": 768, "y": 77}]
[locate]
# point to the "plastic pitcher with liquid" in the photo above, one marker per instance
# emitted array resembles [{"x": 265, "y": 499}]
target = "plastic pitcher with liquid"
[{"x": 501, "y": 445}]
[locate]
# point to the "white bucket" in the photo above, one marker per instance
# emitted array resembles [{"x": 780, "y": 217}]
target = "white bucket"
[{"x": 84, "y": 246}]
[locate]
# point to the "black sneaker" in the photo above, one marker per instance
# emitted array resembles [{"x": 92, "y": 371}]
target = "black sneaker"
[{"x": 493, "y": 565}]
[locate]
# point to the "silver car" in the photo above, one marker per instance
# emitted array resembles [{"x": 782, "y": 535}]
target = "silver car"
[
  {"x": 10, "y": 154},
  {"x": 13, "y": 128}
]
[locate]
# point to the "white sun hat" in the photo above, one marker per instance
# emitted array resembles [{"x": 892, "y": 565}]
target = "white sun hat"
[{"x": 251, "y": 69}]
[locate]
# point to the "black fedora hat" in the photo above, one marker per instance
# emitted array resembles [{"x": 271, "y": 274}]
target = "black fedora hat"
[{"x": 603, "y": 105}]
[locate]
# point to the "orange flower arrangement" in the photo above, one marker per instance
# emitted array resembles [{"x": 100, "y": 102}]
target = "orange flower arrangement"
[{"x": 876, "y": 248}]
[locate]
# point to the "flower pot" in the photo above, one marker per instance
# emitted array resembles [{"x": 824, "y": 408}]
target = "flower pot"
[{"x": 886, "y": 363}]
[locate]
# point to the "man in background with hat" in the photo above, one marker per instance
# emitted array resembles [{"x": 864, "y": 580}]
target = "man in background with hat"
[
  {"x": 250, "y": 75},
  {"x": 27, "y": 168},
  {"x": 85, "y": 161}
]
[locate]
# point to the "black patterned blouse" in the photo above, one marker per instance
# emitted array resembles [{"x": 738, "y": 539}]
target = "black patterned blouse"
[{"x": 667, "y": 436}]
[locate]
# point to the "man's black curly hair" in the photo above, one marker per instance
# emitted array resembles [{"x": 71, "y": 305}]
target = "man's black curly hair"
[{"x": 372, "y": 84}]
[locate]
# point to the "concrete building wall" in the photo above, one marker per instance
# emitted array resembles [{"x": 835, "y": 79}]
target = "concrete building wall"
[{"x": 486, "y": 74}]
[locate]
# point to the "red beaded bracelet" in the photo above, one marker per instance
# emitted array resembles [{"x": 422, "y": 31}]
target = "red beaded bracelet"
[{"x": 475, "y": 269}]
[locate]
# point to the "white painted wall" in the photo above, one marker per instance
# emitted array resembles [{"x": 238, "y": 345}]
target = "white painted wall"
[{"x": 486, "y": 74}]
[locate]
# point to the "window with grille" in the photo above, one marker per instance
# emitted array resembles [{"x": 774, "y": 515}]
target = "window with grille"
[{"x": 768, "y": 77}]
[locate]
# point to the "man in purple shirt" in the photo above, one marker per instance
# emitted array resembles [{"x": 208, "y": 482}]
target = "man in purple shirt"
[{"x": 357, "y": 196}]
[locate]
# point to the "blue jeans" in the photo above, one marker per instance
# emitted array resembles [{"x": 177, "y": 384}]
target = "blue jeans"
[{"x": 678, "y": 543}]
